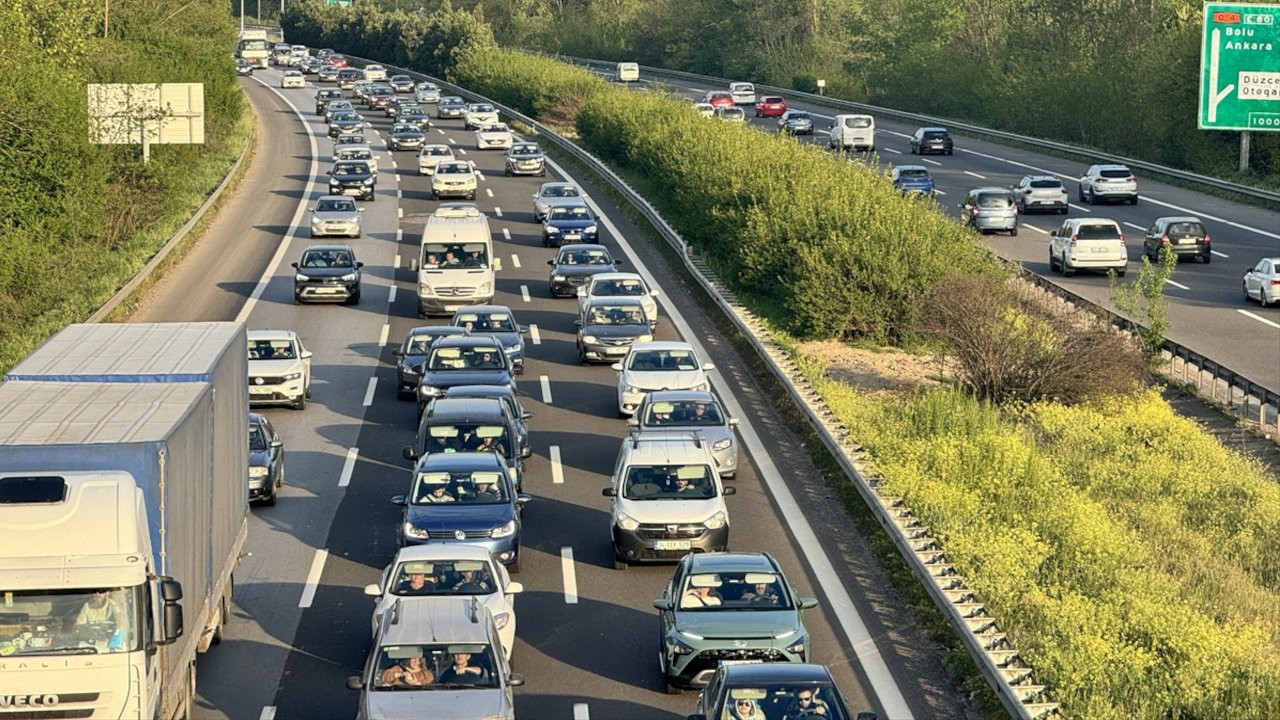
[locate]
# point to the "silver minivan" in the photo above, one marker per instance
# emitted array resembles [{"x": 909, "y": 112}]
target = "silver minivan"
[{"x": 990, "y": 210}]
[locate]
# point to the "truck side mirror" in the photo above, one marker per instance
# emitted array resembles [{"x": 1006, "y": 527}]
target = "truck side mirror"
[{"x": 171, "y": 594}]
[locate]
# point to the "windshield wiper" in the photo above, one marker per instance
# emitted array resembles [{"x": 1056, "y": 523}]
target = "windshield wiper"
[{"x": 88, "y": 650}]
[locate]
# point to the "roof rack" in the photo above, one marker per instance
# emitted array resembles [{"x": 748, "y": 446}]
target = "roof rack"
[{"x": 457, "y": 210}]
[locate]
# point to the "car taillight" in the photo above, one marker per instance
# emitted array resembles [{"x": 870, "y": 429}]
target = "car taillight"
[
  {"x": 1275, "y": 281},
  {"x": 1206, "y": 240},
  {"x": 1121, "y": 238},
  {"x": 1131, "y": 179}
]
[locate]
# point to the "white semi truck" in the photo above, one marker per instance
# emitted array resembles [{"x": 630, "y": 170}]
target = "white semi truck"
[
  {"x": 253, "y": 47},
  {"x": 123, "y": 513}
]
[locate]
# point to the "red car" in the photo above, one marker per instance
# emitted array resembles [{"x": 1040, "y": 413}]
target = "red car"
[
  {"x": 719, "y": 99},
  {"x": 338, "y": 61},
  {"x": 771, "y": 106}
]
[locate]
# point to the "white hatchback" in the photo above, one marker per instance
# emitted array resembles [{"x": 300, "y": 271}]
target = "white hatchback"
[
  {"x": 744, "y": 93},
  {"x": 496, "y": 136},
  {"x": 293, "y": 79},
  {"x": 431, "y": 155}
]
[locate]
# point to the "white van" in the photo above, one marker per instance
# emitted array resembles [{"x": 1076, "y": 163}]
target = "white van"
[
  {"x": 853, "y": 132},
  {"x": 456, "y": 262},
  {"x": 627, "y": 72}
]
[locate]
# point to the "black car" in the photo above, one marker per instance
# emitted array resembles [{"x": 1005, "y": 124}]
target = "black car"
[
  {"x": 774, "y": 690},
  {"x": 413, "y": 353},
  {"x": 609, "y": 326},
  {"x": 401, "y": 83},
  {"x": 518, "y": 416},
  {"x": 575, "y": 264},
  {"x": 454, "y": 425},
  {"x": 326, "y": 95},
  {"x": 404, "y": 136},
  {"x": 243, "y": 67},
  {"x": 465, "y": 360},
  {"x": 415, "y": 116},
  {"x": 1184, "y": 235},
  {"x": 327, "y": 273},
  {"x": 327, "y": 74},
  {"x": 795, "y": 122},
  {"x": 353, "y": 178},
  {"x": 451, "y": 107},
  {"x": 931, "y": 140},
  {"x": 526, "y": 158},
  {"x": 266, "y": 460},
  {"x": 345, "y": 122}
]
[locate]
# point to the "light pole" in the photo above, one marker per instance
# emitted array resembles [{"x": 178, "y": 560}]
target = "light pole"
[{"x": 241, "y": 17}]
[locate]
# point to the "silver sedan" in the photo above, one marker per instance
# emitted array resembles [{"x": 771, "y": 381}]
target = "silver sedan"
[{"x": 335, "y": 215}]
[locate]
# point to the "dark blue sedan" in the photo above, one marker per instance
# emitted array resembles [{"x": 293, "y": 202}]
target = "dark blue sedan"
[{"x": 569, "y": 224}]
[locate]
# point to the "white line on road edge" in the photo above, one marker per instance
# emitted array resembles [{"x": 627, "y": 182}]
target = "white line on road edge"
[
  {"x": 515, "y": 260},
  {"x": 399, "y": 232},
  {"x": 441, "y": 131},
  {"x": 294, "y": 224},
  {"x": 841, "y": 605},
  {"x": 399, "y": 210},
  {"x": 545, "y": 382},
  {"x": 974, "y": 174},
  {"x": 1259, "y": 318},
  {"x": 399, "y": 216},
  {"x": 936, "y": 191},
  {"x": 396, "y": 266},
  {"x": 1033, "y": 228},
  {"x": 348, "y": 467},
  {"x": 580, "y": 712},
  {"x": 534, "y": 335},
  {"x": 386, "y": 330},
  {"x": 391, "y": 296},
  {"x": 1178, "y": 285},
  {"x": 557, "y": 467},
  {"x": 931, "y": 162},
  {"x": 524, "y": 292},
  {"x": 570, "y": 587},
  {"x": 1135, "y": 227},
  {"x": 1079, "y": 207},
  {"x": 1221, "y": 255},
  {"x": 895, "y": 152},
  {"x": 268, "y": 713},
  {"x": 313, "y": 578},
  {"x": 506, "y": 234},
  {"x": 488, "y": 191},
  {"x": 368, "y": 393},
  {"x": 461, "y": 151},
  {"x": 497, "y": 211}
]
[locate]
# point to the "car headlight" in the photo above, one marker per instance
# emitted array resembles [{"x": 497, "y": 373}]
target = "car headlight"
[
  {"x": 300, "y": 278},
  {"x": 558, "y": 278},
  {"x": 410, "y": 530},
  {"x": 716, "y": 521},
  {"x": 513, "y": 350},
  {"x": 542, "y": 208},
  {"x": 590, "y": 229},
  {"x": 589, "y": 339},
  {"x": 796, "y": 647},
  {"x": 369, "y": 181},
  {"x": 429, "y": 390},
  {"x": 675, "y": 646},
  {"x": 506, "y": 529},
  {"x": 259, "y": 471},
  {"x": 630, "y": 390},
  {"x": 349, "y": 277},
  {"x": 292, "y": 376},
  {"x": 626, "y": 522},
  {"x": 552, "y": 229},
  {"x": 690, "y": 635},
  {"x": 502, "y": 619},
  {"x": 722, "y": 444},
  {"x": 484, "y": 288},
  {"x": 644, "y": 338}
]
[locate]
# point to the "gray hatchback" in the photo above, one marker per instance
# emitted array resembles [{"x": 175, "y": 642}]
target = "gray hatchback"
[{"x": 990, "y": 210}]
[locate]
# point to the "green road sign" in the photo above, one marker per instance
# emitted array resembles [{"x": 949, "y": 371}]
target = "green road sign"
[{"x": 1240, "y": 67}]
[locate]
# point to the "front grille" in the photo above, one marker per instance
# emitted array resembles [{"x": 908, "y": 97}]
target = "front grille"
[
  {"x": 670, "y": 532},
  {"x": 577, "y": 279},
  {"x": 455, "y": 291},
  {"x": 617, "y": 341},
  {"x": 266, "y": 380},
  {"x": 452, "y": 534},
  {"x": 765, "y": 654}
]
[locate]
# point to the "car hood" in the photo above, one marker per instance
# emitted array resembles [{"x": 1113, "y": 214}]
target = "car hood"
[
  {"x": 665, "y": 512},
  {"x": 743, "y": 624},
  {"x": 711, "y": 433},
  {"x": 435, "y": 704},
  {"x": 525, "y": 158},
  {"x": 259, "y": 458},
  {"x": 413, "y": 361},
  {"x": 582, "y": 270},
  {"x": 616, "y": 331},
  {"x": 326, "y": 272},
  {"x": 450, "y": 378},
  {"x": 274, "y": 367},
  {"x": 335, "y": 216},
  {"x": 354, "y": 177},
  {"x": 664, "y": 379},
  {"x": 507, "y": 339},
  {"x": 408, "y": 135},
  {"x": 557, "y": 201},
  {"x": 457, "y": 516},
  {"x": 571, "y": 224}
]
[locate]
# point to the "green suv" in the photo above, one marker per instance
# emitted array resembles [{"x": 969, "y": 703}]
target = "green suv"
[{"x": 730, "y": 608}]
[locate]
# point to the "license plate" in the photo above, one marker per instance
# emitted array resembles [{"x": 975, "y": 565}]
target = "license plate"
[
  {"x": 327, "y": 291},
  {"x": 741, "y": 662},
  {"x": 1186, "y": 241},
  {"x": 572, "y": 236},
  {"x": 1097, "y": 249},
  {"x": 451, "y": 308},
  {"x": 616, "y": 351},
  {"x": 672, "y": 544},
  {"x": 258, "y": 391}
]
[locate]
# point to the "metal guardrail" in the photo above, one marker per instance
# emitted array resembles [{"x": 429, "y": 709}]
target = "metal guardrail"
[
  {"x": 1092, "y": 155},
  {"x": 1006, "y": 671}
]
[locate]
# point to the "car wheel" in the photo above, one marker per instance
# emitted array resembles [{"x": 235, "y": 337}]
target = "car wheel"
[
  {"x": 354, "y": 299},
  {"x": 1120, "y": 272},
  {"x": 270, "y": 499},
  {"x": 1063, "y": 211},
  {"x": 618, "y": 563},
  {"x": 1080, "y": 193},
  {"x": 1206, "y": 258},
  {"x": 507, "y": 172},
  {"x": 1053, "y": 264},
  {"x": 1133, "y": 200},
  {"x": 1067, "y": 270},
  {"x": 435, "y": 195},
  {"x": 307, "y": 391},
  {"x": 1262, "y": 297},
  {"x": 301, "y": 402},
  {"x": 1013, "y": 232}
]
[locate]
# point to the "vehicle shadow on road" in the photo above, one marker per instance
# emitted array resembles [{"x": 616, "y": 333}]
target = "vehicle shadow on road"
[{"x": 561, "y": 706}]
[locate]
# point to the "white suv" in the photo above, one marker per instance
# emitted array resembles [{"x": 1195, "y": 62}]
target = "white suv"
[
  {"x": 1109, "y": 182},
  {"x": 744, "y": 93},
  {"x": 477, "y": 115},
  {"x": 659, "y": 365},
  {"x": 279, "y": 369},
  {"x": 1088, "y": 244},
  {"x": 668, "y": 501}
]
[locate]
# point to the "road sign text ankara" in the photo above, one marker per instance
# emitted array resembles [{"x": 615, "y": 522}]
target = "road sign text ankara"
[{"x": 1240, "y": 67}]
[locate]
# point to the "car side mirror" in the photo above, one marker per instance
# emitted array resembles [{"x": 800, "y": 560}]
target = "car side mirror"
[
  {"x": 733, "y": 422},
  {"x": 633, "y": 421},
  {"x": 577, "y": 323},
  {"x": 662, "y": 604},
  {"x": 617, "y": 262},
  {"x": 329, "y": 173},
  {"x": 654, "y": 293},
  {"x": 359, "y": 264},
  {"x": 609, "y": 491},
  {"x": 523, "y": 498},
  {"x": 730, "y": 490},
  {"x": 708, "y": 367},
  {"x": 408, "y": 453},
  {"x": 514, "y": 588},
  {"x": 582, "y": 292},
  {"x": 293, "y": 265},
  {"x": 497, "y": 264},
  {"x": 355, "y": 683},
  {"x": 398, "y": 352},
  {"x": 400, "y": 500},
  {"x": 617, "y": 366},
  {"x": 372, "y": 590},
  {"x": 526, "y": 415},
  {"x": 360, "y": 209},
  {"x": 306, "y": 354},
  {"x": 552, "y": 263},
  {"x": 277, "y": 443},
  {"x": 515, "y": 680},
  {"x": 867, "y": 715},
  {"x": 807, "y": 603}
]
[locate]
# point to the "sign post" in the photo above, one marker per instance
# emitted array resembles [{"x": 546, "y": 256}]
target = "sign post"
[{"x": 1240, "y": 70}]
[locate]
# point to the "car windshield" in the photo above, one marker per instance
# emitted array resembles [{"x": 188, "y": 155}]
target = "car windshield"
[
  {"x": 257, "y": 438},
  {"x": 336, "y": 205},
  {"x": 669, "y": 482},
  {"x": 499, "y": 128},
  {"x": 443, "y": 256},
  {"x": 348, "y": 169},
  {"x": 404, "y": 128},
  {"x": 560, "y": 191},
  {"x": 421, "y": 343},
  {"x": 327, "y": 259},
  {"x": 777, "y": 700},
  {"x": 857, "y": 122},
  {"x": 772, "y": 100},
  {"x": 89, "y": 621},
  {"x": 1045, "y": 184},
  {"x": 995, "y": 200},
  {"x": 272, "y": 350},
  {"x": 682, "y": 413},
  {"x": 419, "y": 668},
  {"x": 343, "y": 116},
  {"x": 798, "y": 116},
  {"x": 352, "y": 139},
  {"x": 462, "y": 359},
  {"x": 525, "y": 150},
  {"x": 486, "y": 322},
  {"x": 616, "y": 315},
  {"x": 733, "y": 591},
  {"x": 443, "y": 578},
  {"x": 583, "y": 257},
  {"x": 454, "y": 168},
  {"x": 936, "y": 135},
  {"x": 468, "y": 487},
  {"x": 1185, "y": 228},
  {"x": 732, "y": 112},
  {"x": 626, "y": 287},
  {"x": 570, "y": 213},
  {"x": 481, "y": 108},
  {"x": 466, "y": 437},
  {"x": 437, "y": 151},
  {"x": 913, "y": 174},
  {"x": 645, "y": 360},
  {"x": 1097, "y": 232}
]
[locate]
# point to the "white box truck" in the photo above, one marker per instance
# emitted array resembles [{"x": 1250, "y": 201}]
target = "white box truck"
[{"x": 123, "y": 512}]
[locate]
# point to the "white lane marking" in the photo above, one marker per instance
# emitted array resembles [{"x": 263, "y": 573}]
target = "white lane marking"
[
  {"x": 368, "y": 393},
  {"x": 1081, "y": 208},
  {"x": 348, "y": 467},
  {"x": 1135, "y": 227},
  {"x": 895, "y": 152},
  {"x": 399, "y": 216},
  {"x": 268, "y": 713},
  {"x": 439, "y": 130},
  {"x": 391, "y": 296},
  {"x": 698, "y": 90},
  {"x": 545, "y": 382},
  {"x": 1033, "y": 228},
  {"x": 488, "y": 191},
  {"x": 399, "y": 232},
  {"x": 1221, "y": 255},
  {"x": 506, "y": 234},
  {"x": 974, "y": 174},
  {"x": 295, "y": 223},
  {"x": 570, "y": 598},
  {"x": 524, "y": 293},
  {"x": 515, "y": 260},
  {"x": 534, "y": 336},
  {"x": 461, "y": 151},
  {"x": 1259, "y": 318},
  {"x": 397, "y": 265},
  {"x": 399, "y": 211},
  {"x": 842, "y": 608},
  {"x": 497, "y": 211},
  {"x": 385, "y": 332},
  {"x": 393, "y": 163},
  {"x": 313, "y": 578},
  {"x": 451, "y": 140},
  {"x": 580, "y": 712},
  {"x": 1178, "y": 285},
  {"x": 898, "y": 134},
  {"x": 557, "y": 466},
  {"x": 931, "y": 162},
  {"x": 936, "y": 191}
]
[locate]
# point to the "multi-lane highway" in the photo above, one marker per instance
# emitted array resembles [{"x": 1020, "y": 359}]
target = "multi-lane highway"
[
  {"x": 1207, "y": 310},
  {"x": 587, "y": 634}
]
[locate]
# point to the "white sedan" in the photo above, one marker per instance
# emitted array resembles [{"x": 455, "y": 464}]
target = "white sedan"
[
  {"x": 293, "y": 79},
  {"x": 431, "y": 155},
  {"x": 430, "y": 573},
  {"x": 496, "y": 136},
  {"x": 375, "y": 72},
  {"x": 659, "y": 365},
  {"x": 1262, "y": 282}
]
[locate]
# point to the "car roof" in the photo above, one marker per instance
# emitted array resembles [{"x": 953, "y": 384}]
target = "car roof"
[
  {"x": 594, "y": 300},
  {"x": 584, "y": 246},
  {"x": 442, "y": 551},
  {"x": 1111, "y": 167},
  {"x": 484, "y": 309},
  {"x": 605, "y": 277},
  {"x": 732, "y": 562},
  {"x": 1042, "y": 177},
  {"x": 334, "y": 197},
  {"x": 932, "y": 129},
  {"x": 272, "y": 334},
  {"x": 557, "y": 183},
  {"x": 663, "y": 345},
  {"x": 667, "y": 450},
  {"x": 459, "y": 461},
  {"x": 256, "y": 418},
  {"x": 467, "y": 341},
  {"x": 457, "y": 408},
  {"x": 435, "y": 620},
  {"x": 984, "y": 190},
  {"x": 1178, "y": 218},
  {"x": 764, "y": 673},
  {"x": 681, "y": 396},
  {"x": 911, "y": 167},
  {"x": 493, "y": 391},
  {"x": 436, "y": 330},
  {"x": 309, "y": 248}
]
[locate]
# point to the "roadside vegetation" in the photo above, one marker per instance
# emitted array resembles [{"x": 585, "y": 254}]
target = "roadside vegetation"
[
  {"x": 78, "y": 220},
  {"x": 1127, "y": 553}
]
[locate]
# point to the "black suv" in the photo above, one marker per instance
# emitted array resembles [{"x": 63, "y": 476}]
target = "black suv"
[
  {"x": 931, "y": 140},
  {"x": 327, "y": 273},
  {"x": 457, "y": 425},
  {"x": 324, "y": 95},
  {"x": 353, "y": 178},
  {"x": 1184, "y": 235}
]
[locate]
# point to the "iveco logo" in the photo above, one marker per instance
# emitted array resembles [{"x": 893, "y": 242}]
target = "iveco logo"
[
  {"x": 258, "y": 381},
  {"x": 15, "y": 701},
  {"x": 460, "y": 535}
]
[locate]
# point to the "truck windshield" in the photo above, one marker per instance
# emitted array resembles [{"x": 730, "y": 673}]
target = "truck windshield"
[
  {"x": 71, "y": 622},
  {"x": 447, "y": 256}
]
